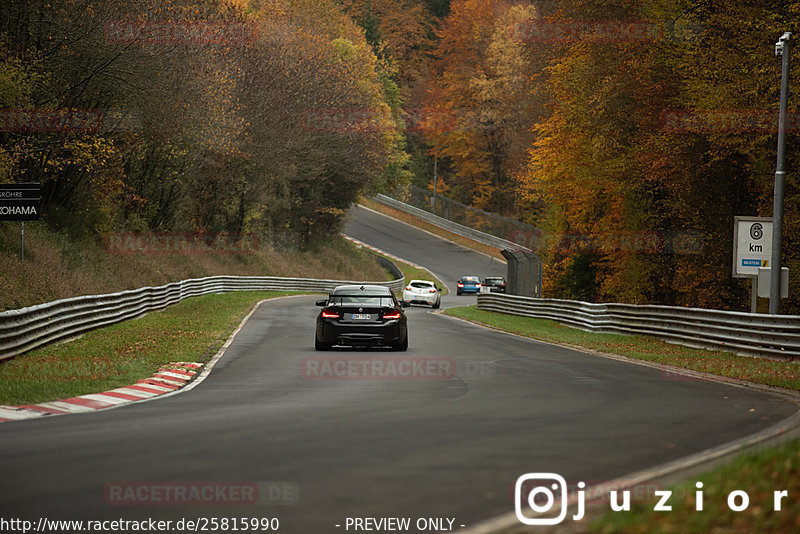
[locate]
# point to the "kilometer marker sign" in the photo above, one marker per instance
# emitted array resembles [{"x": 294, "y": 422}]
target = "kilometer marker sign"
[
  {"x": 752, "y": 245},
  {"x": 20, "y": 202}
]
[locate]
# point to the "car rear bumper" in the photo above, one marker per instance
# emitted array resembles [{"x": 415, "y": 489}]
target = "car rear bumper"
[
  {"x": 339, "y": 333},
  {"x": 420, "y": 299}
]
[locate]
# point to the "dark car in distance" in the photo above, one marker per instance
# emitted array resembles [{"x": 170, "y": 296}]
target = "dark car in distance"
[
  {"x": 468, "y": 284},
  {"x": 361, "y": 316},
  {"x": 495, "y": 284}
]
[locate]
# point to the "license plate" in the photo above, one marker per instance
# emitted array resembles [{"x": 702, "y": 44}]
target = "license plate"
[{"x": 361, "y": 317}]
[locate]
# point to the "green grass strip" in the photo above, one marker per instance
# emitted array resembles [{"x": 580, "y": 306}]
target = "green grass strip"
[
  {"x": 121, "y": 354},
  {"x": 758, "y": 474},
  {"x": 762, "y": 371}
]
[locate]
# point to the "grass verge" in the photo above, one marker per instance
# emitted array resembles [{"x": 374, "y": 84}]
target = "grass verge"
[
  {"x": 759, "y": 474},
  {"x": 767, "y": 372},
  {"x": 57, "y": 266},
  {"x": 432, "y": 228},
  {"x": 121, "y": 354}
]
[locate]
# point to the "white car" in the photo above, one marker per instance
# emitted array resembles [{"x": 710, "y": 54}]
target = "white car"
[{"x": 422, "y": 292}]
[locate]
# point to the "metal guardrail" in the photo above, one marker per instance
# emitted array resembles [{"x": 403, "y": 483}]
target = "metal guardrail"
[
  {"x": 460, "y": 229},
  {"x": 27, "y": 328},
  {"x": 524, "y": 274},
  {"x": 773, "y": 336},
  {"x": 458, "y": 212}
]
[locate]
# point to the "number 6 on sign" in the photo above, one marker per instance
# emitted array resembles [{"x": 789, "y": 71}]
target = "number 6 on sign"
[{"x": 752, "y": 245}]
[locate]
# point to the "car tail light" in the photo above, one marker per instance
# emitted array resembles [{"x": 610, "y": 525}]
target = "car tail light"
[
  {"x": 328, "y": 314},
  {"x": 408, "y": 288},
  {"x": 391, "y": 315},
  {"x": 460, "y": 284},
  {"x": 477, "y": 285},
  {"x": 431, "y": 291}
]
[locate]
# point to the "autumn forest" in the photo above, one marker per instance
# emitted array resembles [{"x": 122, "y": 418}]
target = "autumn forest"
[{"x": 611, "y": 120}]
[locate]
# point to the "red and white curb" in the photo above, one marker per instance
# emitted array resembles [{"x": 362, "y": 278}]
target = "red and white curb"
[{"x": 168, "y": 379}]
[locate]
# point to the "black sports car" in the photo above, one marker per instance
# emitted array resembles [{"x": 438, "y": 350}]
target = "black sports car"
[{"x": 361, "y": 315}]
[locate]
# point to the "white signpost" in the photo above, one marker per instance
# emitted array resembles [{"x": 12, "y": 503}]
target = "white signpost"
[
  {"x": 20, "y": 202},
  {"x": 752, "y": 250}
]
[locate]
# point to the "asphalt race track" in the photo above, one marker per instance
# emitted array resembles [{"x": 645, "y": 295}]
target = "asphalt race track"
[
  {"x": 447, "y": 443},
  {"x": 445, "y": 259}
]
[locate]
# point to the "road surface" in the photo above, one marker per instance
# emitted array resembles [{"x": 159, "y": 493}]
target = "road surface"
[{"x": 448, "y": 442}]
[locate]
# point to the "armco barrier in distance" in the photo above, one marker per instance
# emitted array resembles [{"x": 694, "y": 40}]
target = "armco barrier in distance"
[
  {"x": 460, "y": 229},
  {"x": 773, "y": 336},
  {"x": 27, "y": 328},
  {"x": 524, "y": 273}
]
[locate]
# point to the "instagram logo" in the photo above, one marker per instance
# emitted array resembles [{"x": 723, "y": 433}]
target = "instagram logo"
[{"x": 540, "y": 492}]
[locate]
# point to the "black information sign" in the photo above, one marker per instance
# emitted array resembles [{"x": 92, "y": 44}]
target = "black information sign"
[{"x": 20, "y": 202}]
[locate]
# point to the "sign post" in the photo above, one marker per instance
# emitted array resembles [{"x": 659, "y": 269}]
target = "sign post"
[
  {"x": 20, "y": 202},
  {"x": 752, "y": 249},
  {"x": 765, "y": 285}
]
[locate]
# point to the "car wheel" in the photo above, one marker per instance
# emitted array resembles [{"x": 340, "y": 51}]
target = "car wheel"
[
  {"x": 402, "y": 346},
  {"x": 436, "y": 304},
  {"x": 458, "y": 292},
  {"x": 318, "y": 345}
]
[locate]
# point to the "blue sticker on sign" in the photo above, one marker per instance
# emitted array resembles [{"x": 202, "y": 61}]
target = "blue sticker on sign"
[{"x": 751, "y": 263}]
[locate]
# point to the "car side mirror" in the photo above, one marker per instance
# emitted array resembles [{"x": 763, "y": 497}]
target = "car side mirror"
[
  {"x": 322, "y": 302},
  {"x": 438, "y": 288}
]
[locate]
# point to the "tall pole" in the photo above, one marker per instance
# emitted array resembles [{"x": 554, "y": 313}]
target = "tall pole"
[
  {"x": 783, "y": 47},
  {"x": 22, "y": 242}
]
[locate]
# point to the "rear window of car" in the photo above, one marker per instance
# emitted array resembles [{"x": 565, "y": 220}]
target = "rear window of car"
[
  {"x": 494, "y": 280},
  {"x": 471, "y": 279},
  {"x": 362, "y": 300},
  {"x": 422, "y": 285}
]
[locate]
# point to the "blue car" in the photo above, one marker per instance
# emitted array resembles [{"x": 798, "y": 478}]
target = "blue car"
[{"x": 468, "y": 284}]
